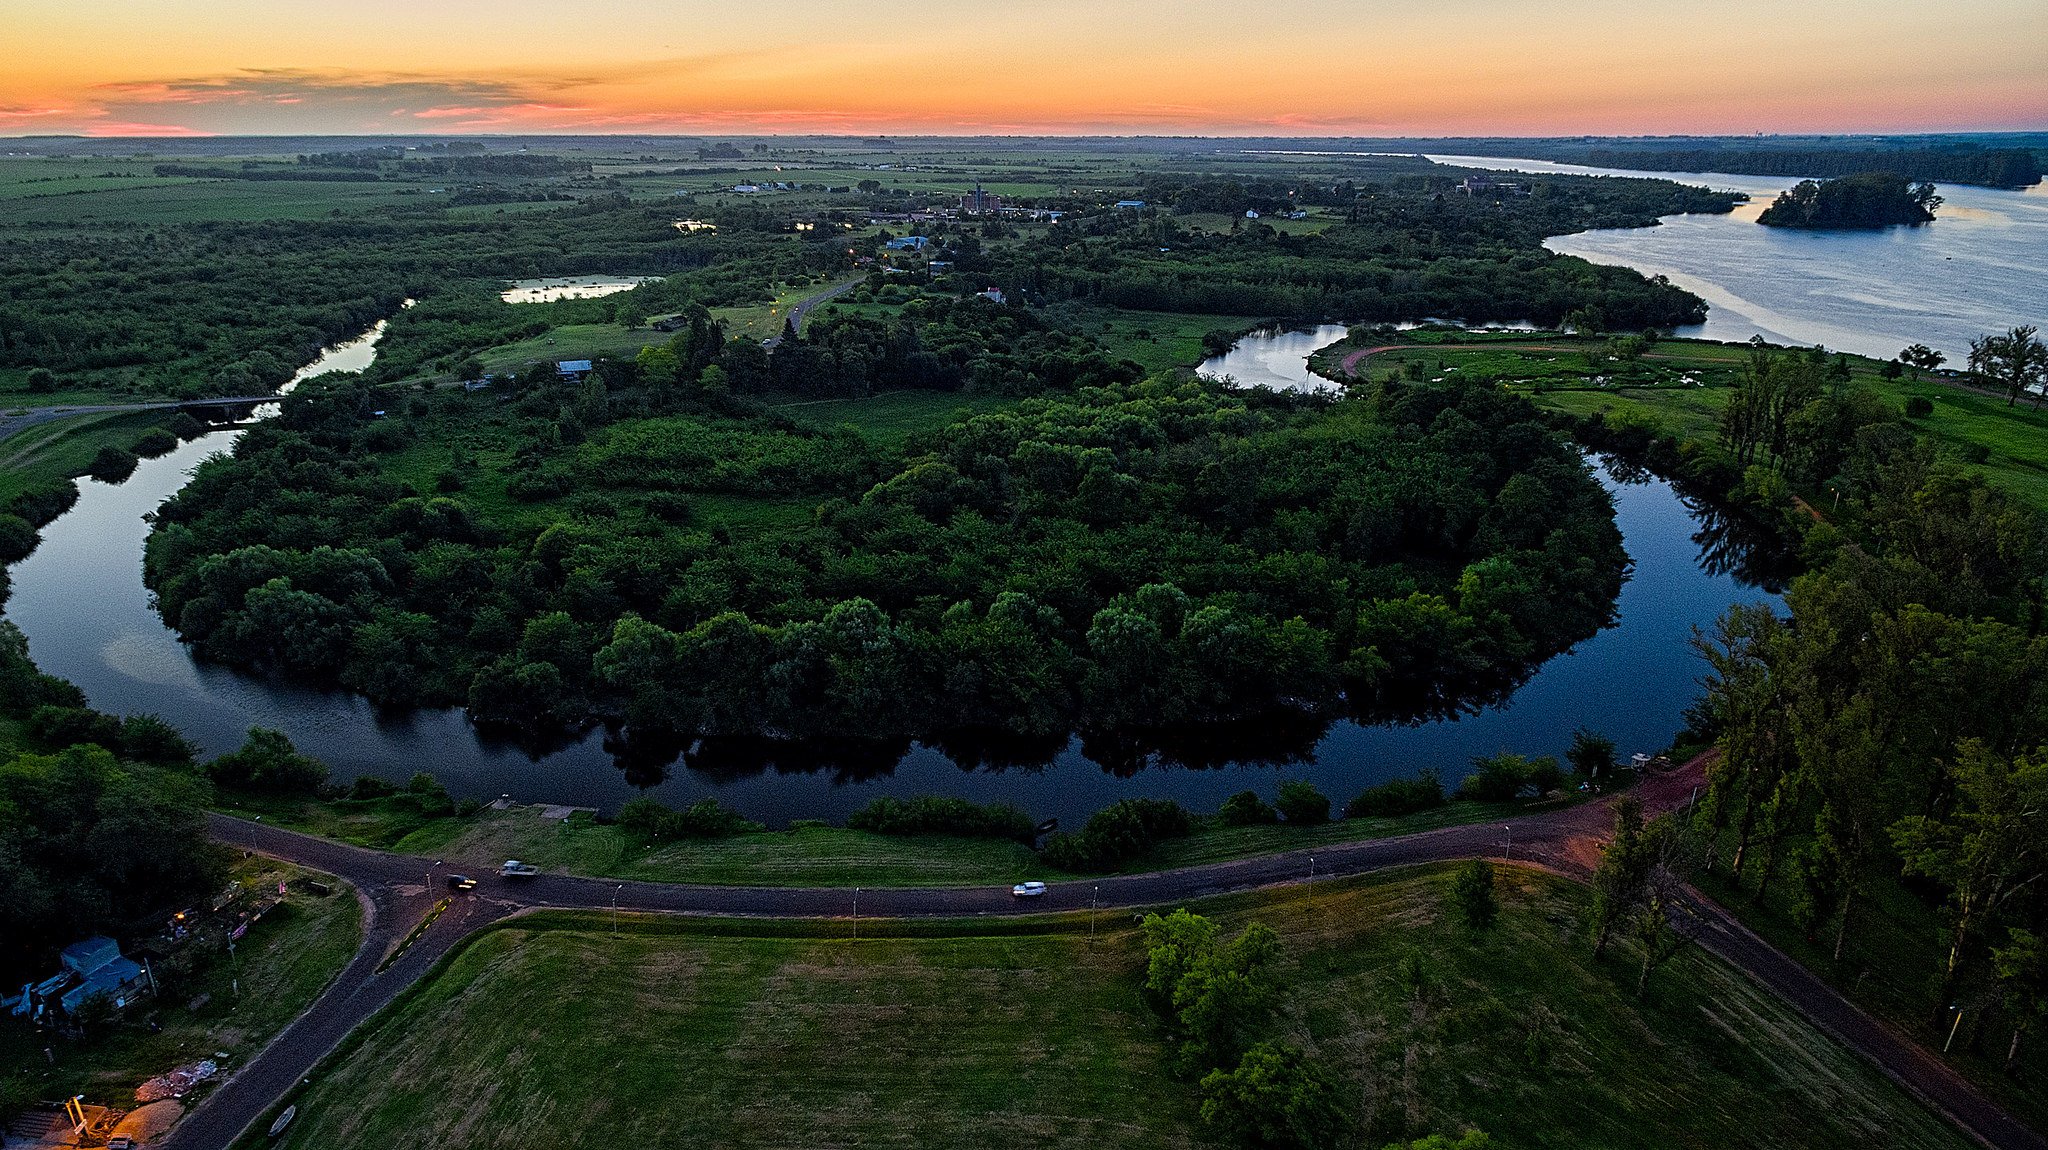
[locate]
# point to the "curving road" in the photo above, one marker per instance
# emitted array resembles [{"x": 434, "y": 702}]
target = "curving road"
[
  {"x": 397, "y": 890},
  {"x": 802, "y": 310}
]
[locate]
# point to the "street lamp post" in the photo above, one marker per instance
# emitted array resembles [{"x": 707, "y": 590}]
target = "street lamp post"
[
  {"x": 1311, "y": 884},
  {"x": 1094, "y": 897},
  {"x": 856, "y": 914},
  {"x": 615, "y": 908},
  {"x": 1957, "y": 1010},
  {"x": 1509, "y": 852}
]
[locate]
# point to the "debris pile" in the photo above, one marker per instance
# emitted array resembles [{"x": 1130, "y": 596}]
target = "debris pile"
[{"x": 177, "y": 1083}]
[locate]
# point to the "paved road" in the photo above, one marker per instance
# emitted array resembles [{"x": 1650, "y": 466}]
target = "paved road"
[
  {"x": 398, "y": 889},
  {"x": 803, "y": 308}
]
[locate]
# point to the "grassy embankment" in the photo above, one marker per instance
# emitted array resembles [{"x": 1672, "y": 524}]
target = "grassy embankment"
[
  {"x": 282, "y": 964},
  {"x": 806, "y": 855},
  {"x": 1554, "y": 373},
  {"x": 747, "y": 1034},
  {"x": 64, "y": 448}
]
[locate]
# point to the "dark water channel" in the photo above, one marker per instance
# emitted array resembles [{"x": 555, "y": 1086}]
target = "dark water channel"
[{"x": 80, "y": 600}]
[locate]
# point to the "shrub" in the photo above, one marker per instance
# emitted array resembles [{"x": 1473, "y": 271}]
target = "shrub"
[
  {"x": 703, "y": 819},
  {"x": 425, "y": 792},
  {"x": 41, "y": 380},
  {"x": 53, "y": 728},
  {"x": 267, "y": 761},
  {"x": 938, "y": 815},
  {"x": 1398, "y": 797},
  {"x": 1301, "y": 803},
  {"x": 371, "y": 787},
  {"x": 112, "y": 463},
  {"x": 1276, "y": 1098},
  {"x": 1501, "y": 777},
  {"x": 148, "y": 739},
  {"x": 1245, "y": 809},
  {"x": 1472, "y": 895},
  {"x": 1118, "y": 833},
  {"x": 154, "y": 442},
  {"x": 44, "y": 502},
  {"x": 184, "y": 426},
  {"x": 1591, "y": 754},
  {"x": 1919, "y": 407},
  {"x": 17, "y": 538}
]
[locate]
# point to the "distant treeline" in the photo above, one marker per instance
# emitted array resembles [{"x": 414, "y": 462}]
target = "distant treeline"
[
  {"x": 519, "y": 164},
  {"x": 1989, "y": 167},
  {"x": 270, "y": 172}
]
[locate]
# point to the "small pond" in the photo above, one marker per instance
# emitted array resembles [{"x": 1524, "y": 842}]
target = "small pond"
[{"x": 551, "y": 288}]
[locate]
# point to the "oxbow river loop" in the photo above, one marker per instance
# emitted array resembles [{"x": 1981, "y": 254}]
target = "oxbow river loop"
[{"x": 80, "y": 600}]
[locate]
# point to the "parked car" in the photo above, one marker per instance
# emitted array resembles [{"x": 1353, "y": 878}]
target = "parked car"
[
  {"x": 1032, "y": 889},
  {"x": 513, "y": 868},
  {"x": 461, "y": 882}
]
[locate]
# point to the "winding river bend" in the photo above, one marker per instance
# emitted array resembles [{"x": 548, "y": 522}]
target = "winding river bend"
[{"x": 88, "y": 618}]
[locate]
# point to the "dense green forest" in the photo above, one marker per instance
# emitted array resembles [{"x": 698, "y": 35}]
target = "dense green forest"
[
  {"x": 1866, "y": 200},
  {"x": 1137, "y": 554}
]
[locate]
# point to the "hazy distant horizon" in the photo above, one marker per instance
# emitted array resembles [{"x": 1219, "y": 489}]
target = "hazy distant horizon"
[{"x": 1381, "y": 68}]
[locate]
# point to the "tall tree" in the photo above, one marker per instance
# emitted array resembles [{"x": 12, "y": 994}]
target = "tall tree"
[
  {"x": 1624, "y": 867},
  {"x": 1987, "y": 850}
]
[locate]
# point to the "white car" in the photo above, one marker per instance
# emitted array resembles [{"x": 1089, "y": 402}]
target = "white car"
[{"x": 1033, "y": 889}]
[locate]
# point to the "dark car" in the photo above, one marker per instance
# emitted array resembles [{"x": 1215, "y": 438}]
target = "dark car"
[{"x": 461, "y": 882}]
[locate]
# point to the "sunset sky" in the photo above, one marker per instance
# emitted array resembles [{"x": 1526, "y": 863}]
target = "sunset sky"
[{"x": 1303, "y": 67}]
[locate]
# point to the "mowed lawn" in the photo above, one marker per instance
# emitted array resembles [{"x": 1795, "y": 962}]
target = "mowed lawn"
[{"x": 553, "y": 1032}]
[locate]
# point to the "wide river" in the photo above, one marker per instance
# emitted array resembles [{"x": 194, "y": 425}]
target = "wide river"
[
  {"x": 1977, "y": 268},
  {"x": 80, "y": 597}
]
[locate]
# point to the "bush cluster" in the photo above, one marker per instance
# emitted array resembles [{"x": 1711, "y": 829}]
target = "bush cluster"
[
  {"x": 1398, "y": 797},
  {"x": 939, "y": 815},
  {"x": 703, "y": 819},
  {"x": 1119, "y": 833}
]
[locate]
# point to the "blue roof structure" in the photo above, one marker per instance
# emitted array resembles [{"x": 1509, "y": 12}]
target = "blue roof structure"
[
  {"x": 110, "y": 980},
  {"x": 88, "y": 955},
  {"x": 567, "y": 366}
]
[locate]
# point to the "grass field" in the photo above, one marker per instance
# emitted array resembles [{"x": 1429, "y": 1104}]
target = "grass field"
[
  {"x": 284, "y": 962},
  {"x": 1682, "y": 386},
  {"x": 572, "y": 341},
  {"x": 891, "y": 417},
  {"x": 63, "y": 448},
  {"x": 551, "y": 1031},
  {"x": 1891, "y": 958}
]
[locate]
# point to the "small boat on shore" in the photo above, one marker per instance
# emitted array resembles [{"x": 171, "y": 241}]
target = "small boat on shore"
[{"x": 283, "y": 1120}]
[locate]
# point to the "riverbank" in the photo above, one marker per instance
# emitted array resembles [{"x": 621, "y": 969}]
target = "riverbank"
[
  {"x": 1678, "y": 387},
  {"x": 811, "y": 854}
]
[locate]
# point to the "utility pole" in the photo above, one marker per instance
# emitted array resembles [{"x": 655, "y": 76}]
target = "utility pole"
[
  {"x": 615, "y": 908},
  {"x": 856, "y": 914},
  {"x": 1094, "y": 895}
]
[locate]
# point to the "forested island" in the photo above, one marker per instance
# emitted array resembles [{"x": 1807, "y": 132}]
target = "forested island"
[{"x": 1866, "y": 200}]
